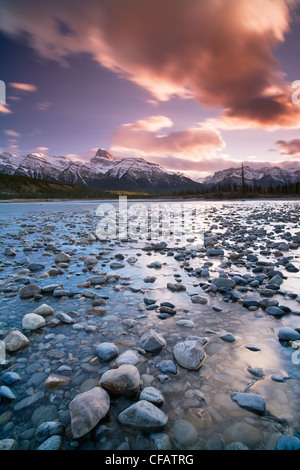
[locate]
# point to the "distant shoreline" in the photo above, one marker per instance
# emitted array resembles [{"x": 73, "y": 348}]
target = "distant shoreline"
[{"x": 185, "y": 198}]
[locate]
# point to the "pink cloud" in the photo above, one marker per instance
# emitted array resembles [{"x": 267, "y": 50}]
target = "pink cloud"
[
  {"x": 193, "y": 143},
  {"x": 23, "y": 86},
  {"x": 219, "y": 52},
  {"x": 4, "y": 109},
  {"x": 291, "y": 147}
]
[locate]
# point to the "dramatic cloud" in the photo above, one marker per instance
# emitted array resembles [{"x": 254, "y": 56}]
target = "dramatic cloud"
[
  {"x": 193, "y": 143},
  {"x": 291, "y": 147},
  {"x": 219, "y": 52}
]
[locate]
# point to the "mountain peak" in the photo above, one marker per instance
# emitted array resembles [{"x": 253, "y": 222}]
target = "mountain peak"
[{"x": 104, "y": 154}]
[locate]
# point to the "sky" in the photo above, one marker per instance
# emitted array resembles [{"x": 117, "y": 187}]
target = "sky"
[{"x": 196, "y": 86}]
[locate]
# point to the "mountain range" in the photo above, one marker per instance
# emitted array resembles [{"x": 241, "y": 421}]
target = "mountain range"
[
  {"x": 106, "y": 172},
  {"x": 103, "y": 172}
]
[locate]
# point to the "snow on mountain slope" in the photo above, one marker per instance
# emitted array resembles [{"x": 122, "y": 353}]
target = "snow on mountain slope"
[
  {"x": 265, "y": 176},
  {"x": 102, "y": 171}
]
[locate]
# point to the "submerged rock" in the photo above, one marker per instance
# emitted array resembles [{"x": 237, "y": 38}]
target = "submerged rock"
[
  {"x": 143, "y": 416},
  {"x": 125, "y": 380},
  {"x": 189, "y": 354},
  {"x": 87, "y": 409}
]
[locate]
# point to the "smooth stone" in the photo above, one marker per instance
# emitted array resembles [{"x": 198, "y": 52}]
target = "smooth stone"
[
  {"x": 48, "y": 429},
  {"x": 99, "y": 279},
  {"x": 125, "y": 380},
  {"x": 275, "y": 311},
  {"x": 152, "y": 341},
  {"x": 153, "y": 395},
  {"x": 28, "y": 401},
  {"x": 184, "y": 432},
  {"x": 97, "y": 311},
  {"x": 143, "y": 416},
  {"x": 215, "y": 252},
  {"x": 160, "y": 441},
  {"x": 265, "y": 303},
  {"x": 223, "y": 282},
  {"x": 32, "y": 321},
  {"x": 197, "y": 299},
  {"x": 250, "y": 401},
  {"x": 288, "y": 334},
  {"x": 87, "y": 409},
  {"x": 10, "y": 377},
  {"x": 167, "y": 366},
  {"x": 288, "y": 443},
  {"x": 7, "y": 444},
  {"x": 176, "y": 287},
  {"x": 44, "y": 310},
  {"x": 189, "y": 354},
  {"x": 228, "y": 337},
  {"x": 6, "y": 392},
  {"x": 15, "y": 341},
  {"x": 186, "y": 323},
  {"x": 106, "y": 351},
  {"x": 257, "y": 372},
  {"x": 128, "y": 357},
  {"x": 62, "y": 258},
  {"x": 52, "y": 443},
  {"x": 29, "y": 291}
]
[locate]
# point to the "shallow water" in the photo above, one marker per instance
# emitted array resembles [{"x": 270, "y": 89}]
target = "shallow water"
[{"x": 39, "y": 230}]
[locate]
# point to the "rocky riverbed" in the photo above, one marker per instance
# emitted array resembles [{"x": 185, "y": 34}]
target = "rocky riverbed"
[{"x": 135, "y": 343}]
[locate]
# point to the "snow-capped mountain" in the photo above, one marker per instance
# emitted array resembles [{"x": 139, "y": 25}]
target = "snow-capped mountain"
[
  {"x": 103, "y": 171},
  {"x": 263, "y": 177}
]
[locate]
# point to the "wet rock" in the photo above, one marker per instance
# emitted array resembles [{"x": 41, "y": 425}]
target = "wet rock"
[
  {"x": 288, "y": 443},
  {"x": 228, "y": 337},
  {"x": 167, "y": 366},
  {"x": 7, "y": 444},
  {"x": 6, "y": 392},
  {"x": 15, "y": 341},
  {"x": 99, "y": 279},
  {"x": 160, "y": 441},
  {"x": 152, "y": 341},
  {"x": 106, "y": 351},
  {"x": 215, "y": 252},
  {"x": 197, "y": 299},
  {"x": 52, "y": 443},
  {"x": 128, "y": 357},
  {"x": 48, "y": 429},
  {"x": 189, "y": 354},
  {"x": 176, "y": 287},
  {"x": 44, "y": 310},
  {"x": 10, "y": 377},
  {"x": 125, "y": 380},
  {"x": 32, "y": 321},
  {"x": 97, "y": 311},
  {"x": 87, "y": 409},
  {"x": 143, "y": 416},
  {"x": 9, "y": 252},
  {"x": 223, "y": 282},
  {"x": 288, "y": 334},
  {"x": 153, "y": 395},
  {"x": 275, "y": 311},
  {"x": 29, "y": 291},
  {"x": 184, "y": 432},
  {"x": 62, "y": 258},
  {"x": 250, "y": 401}
]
